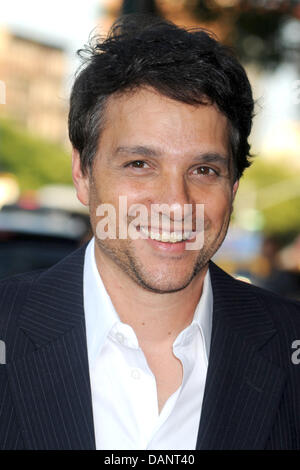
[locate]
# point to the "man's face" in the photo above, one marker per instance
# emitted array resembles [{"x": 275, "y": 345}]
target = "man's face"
[{"x": 155, "y": 150}]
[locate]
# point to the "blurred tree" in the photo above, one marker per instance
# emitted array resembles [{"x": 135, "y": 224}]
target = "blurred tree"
[
  {"x": 255, "y": 26},
  {"x": 35, "y": 162},
  {"x": 277, "y": 196}
]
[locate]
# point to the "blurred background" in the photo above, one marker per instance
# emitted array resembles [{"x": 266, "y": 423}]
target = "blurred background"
[{"x": 40, "y": 218}]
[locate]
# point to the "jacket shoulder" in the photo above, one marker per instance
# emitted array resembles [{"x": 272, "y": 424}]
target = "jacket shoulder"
[
  {"x": 282, "y": 310},
  {"x": 272, "y": 298},
  {"x": 12, "y": 287},
  {"x": 16, "y": 291},
  {"x": 13, "y": 293},
  {"x": 285, "y": 312}
]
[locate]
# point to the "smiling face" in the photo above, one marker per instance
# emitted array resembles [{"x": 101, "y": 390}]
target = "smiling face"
[{"x": 155, "y": 150}]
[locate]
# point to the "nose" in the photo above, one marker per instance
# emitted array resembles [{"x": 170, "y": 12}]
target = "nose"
[{"x": 172, "y": 197}]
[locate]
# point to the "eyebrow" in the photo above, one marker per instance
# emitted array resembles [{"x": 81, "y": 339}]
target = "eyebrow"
[
  {"x": 141, "y": 150},
  {"x": 138, "y": 150}
]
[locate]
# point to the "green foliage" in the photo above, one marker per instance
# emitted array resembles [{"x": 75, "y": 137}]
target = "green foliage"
[
  {"x": 281, "y": 207},
  {"x": 34, "y": 161}
]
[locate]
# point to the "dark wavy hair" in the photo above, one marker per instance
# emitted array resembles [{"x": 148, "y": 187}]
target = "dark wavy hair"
[{"x": 190, "y": 66}]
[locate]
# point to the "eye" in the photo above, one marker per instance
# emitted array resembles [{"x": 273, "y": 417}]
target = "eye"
[
  {"x": 205, "y": 171},
  {"x": 137, "y": 164}
]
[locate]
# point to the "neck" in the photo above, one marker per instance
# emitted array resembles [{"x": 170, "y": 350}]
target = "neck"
[{"x": 155, "y": 318}]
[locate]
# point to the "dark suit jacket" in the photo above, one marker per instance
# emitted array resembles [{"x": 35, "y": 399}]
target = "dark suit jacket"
[{"x": 252, "y": 393}]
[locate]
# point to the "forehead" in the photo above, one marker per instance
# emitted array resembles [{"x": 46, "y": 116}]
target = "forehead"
[{"x": 145, "y": 116}]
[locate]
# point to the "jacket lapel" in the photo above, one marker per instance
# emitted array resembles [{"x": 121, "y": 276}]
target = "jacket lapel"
[
  {"x": 243, "y": 388},
  {"x": 51, "y": 386}
]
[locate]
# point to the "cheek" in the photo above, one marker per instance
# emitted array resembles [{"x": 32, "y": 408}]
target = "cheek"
[
  {"x": 218, "y": 207},
  {"x": 94, "y": 199},
  {"x": 103, "y": 190}
]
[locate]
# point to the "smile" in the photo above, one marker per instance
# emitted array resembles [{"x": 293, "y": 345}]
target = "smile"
[{"x": 166, "y": 237}]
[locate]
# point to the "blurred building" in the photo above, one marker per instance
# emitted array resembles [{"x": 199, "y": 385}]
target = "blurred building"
[
  {"x": 173, "y": 10},
  {"x": 34, "y": 74},
  {"x": 109, "y": 11}
]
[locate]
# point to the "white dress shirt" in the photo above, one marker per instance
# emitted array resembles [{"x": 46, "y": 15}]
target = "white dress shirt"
[{"x": 124, "y": 394}]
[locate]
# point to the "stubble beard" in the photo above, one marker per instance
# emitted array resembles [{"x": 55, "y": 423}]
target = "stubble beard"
[{"x": 128, "y": 263}]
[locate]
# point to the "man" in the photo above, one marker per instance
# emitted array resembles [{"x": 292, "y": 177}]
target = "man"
[{"x": 141, "y": 342}]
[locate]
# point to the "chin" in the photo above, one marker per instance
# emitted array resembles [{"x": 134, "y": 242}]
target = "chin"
[
  {"x": 160, "y": 283},
  {"x": 164, "y": 289}
]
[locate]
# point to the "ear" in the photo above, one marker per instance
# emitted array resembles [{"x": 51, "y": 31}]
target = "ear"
[
  {"x": 81, "y": 182},
  {"x": 234, "y": 191},
  {"x": 235, "y": 188}
]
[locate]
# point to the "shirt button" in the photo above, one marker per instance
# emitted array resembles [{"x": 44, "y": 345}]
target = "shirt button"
[
  {"x": 120, "y": 337},
  {"x": 135, "y": 374}
]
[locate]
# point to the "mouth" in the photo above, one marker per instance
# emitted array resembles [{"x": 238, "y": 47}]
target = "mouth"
[{"x": 166, "y": 236}]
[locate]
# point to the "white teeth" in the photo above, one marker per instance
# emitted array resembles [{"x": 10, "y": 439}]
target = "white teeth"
[{"x": 167, "y": 237}]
